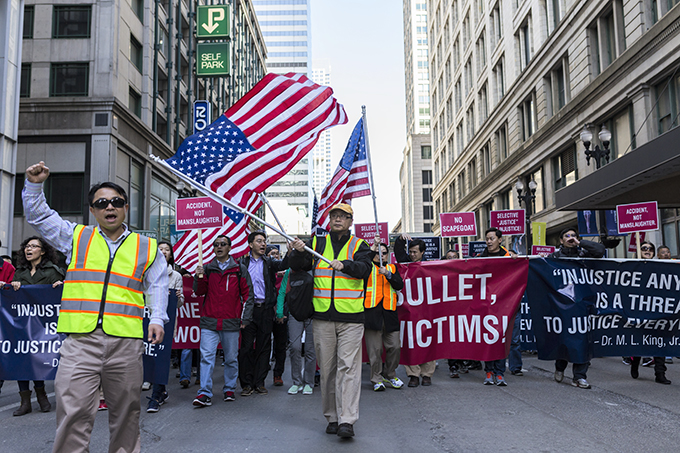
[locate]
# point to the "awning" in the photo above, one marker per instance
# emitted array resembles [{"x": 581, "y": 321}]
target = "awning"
[{"x": 649, "y": 173}]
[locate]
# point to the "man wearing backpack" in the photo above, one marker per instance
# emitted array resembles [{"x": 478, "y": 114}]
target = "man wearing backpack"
[
  {"x": 227, "y": 308},
  {"x": 338, "y": 315}
]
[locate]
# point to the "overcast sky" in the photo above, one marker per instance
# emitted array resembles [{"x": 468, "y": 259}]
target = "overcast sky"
[{"x": 362, "y": 40}]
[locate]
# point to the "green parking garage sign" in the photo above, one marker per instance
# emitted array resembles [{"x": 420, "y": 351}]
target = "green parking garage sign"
[
  {"x": 213, "y": 22},
  {"x": 212, "y": 59}
]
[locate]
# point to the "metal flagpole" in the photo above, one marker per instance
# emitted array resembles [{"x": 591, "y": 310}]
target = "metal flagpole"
[
  {"x": 264, "y": 199},
  {"x": 220, "y": 199},
  {"x": 370, "y": 179}
]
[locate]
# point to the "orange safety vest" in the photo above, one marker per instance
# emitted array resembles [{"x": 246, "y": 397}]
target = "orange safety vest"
[{"x": 379, "y": 289}]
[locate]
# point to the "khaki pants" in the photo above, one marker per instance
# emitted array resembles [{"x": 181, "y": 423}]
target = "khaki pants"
[
  {"x": 425, "y": 369},
  {"x": 88, "y": 361},
  {"x": 374, "y": 346},
  {"x": 338, "y": 353}
]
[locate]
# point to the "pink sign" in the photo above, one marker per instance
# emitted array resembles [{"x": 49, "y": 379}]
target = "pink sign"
[
  {"x": 458, "y": 224},
  {"x": 466, "y": 248},
  {"x": 632, "y": 246},
  {"x": 197, "y": 213},
  {"x": 637, "y": 217},
  {"x": 509, "y": 222},
  {"x": 366, "y": 231},
  {"x": 542, "y": 250}
]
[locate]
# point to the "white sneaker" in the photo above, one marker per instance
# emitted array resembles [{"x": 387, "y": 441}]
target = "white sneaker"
[
  {"x": 396, "y": 383},
  {"x": 294, "y": 390},
  {"x": 580, "y": 383},
  {"x": 379, "y": 387},
  {"x": 308, "y": 390},
  {"x": 146, "y": 386}
]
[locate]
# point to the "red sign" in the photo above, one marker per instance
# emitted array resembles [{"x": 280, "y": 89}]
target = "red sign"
[
  {"x": 458, "y": 224},
  {"x": 466, "y": 248},
  {"x": 509, "y": 221},
  {"x": 542, "y": 250},
  {"x": 459, "y": 309},
  {"x": 188, "y": 335},
  {"x": 366, "y": 231},
  {"x": 632, "y": 246},
  {"x": 197, "y": 213},
  {"x": 637, "y": 217}
]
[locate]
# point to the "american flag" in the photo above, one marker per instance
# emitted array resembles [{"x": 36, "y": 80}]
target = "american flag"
[
  {"x": 350, "y": 179},
  {"x": 255, "y": 143}
]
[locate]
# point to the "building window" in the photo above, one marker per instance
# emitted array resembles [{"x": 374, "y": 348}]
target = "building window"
[
  {"x": 496, "y": 25},
  {"x": 622, "y": 128},
  {"x": 564, "y": 168},
  {"x": 25, "y": 88},
  {"x": 426, "y": 152},
  {"x": 668, "y": 106},
  {"x": 428, "y": 213},
  {"x": 436, "y": 170},
  {"x": 470, "y": 120},
  {"x": 427, "y": 195},
  {"x": 486, "y": 160},
  {"x": 427, "y": 177},
  {"x": 138, "y": 8},
  {"x": 670, "y": 226},
  {"x": 136, "y": 195},
  {"x": 499, "y": 80},
  {"x": 553, "y": 11},
  {"x": 136, "y": 54},
  {"x": 54, "y": 188},
  {"x": 606, "y": 38},
  {"x": 69, "y": 79},
  {"x": 460, "y": 142},
  {"x": 539, "y": 202},
  {"x": 29, "y": 18},
  {"x": 483, "y": 104},
  {"x": 527, "y": 117},
  {"x": 505, "y": 200},
  {"x": 481, "y": 52},
  {"x": 452, "y": 195},
  {"x": 71, "y": 21},
  {"x": 557, "y": 87},
  {"x": 502, "y": 143},
  {"x": 523, "y": 40},
  {"x": 462, "y": 185},
  {"x": 472, "y": 170},
  {"x": 135, "y": 103}
]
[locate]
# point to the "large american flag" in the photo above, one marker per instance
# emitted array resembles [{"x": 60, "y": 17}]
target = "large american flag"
[
  {"x": 350, "y": 179},
  {"x": 252, "y": 145}
]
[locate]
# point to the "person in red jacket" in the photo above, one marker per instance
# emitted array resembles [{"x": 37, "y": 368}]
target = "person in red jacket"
[{"x": 227, "y": 308}]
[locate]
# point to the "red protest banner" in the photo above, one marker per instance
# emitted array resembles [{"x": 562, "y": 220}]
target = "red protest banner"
[
  {"x": 459, "y": 309},
  {"x": 188, "y": 333},
  {"x": 197, "y": 213},
  {"x": 636, "y": 217},
  {"x": 366, "y": 231},
  {"x": 542, "y": 250},
  {"x": 458, "y": 224},
  {"x": 509, "y": 221}
]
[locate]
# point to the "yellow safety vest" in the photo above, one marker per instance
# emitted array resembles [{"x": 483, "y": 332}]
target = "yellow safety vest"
[
  {"x": 100, "y": 286},
  {"x": 379, "y": 289},
  {"x": 346, "y": 291}
]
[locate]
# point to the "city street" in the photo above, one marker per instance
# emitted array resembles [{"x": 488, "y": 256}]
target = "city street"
[{"x": 533, "y": 413}]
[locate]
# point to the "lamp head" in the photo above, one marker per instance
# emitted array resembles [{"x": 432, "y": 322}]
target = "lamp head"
[{"x": 586, "y": 137}]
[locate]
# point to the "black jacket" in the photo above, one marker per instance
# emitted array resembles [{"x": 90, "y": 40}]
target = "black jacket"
[
  {"x": 400, "y": 251},
  {"x": 587, "y": 249},
  {"x": 358, "y": 267},
  {"x": 269, "y": 270}
]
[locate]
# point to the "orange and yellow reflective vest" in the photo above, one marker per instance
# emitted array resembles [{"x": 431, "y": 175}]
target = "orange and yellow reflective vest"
[{"x": 379, "y": 289}]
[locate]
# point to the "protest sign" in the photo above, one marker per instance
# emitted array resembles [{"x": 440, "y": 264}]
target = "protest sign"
[
  {"x": 188, "y": 317},
  {"x": 636, "y": 217},
  {"x": 456, "y": 224},
  {"x": 198, "y": 213},
  {"x": 509, "y": 221},
  {"x": 156, "y": 357},
  {"x": 475, "y": 248},
  {"x": 542, "y": 250},
  {"x": 366, "y": 231}
]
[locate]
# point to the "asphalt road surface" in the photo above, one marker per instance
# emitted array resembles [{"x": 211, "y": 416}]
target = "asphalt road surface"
[{"x": 533, "y": 414}]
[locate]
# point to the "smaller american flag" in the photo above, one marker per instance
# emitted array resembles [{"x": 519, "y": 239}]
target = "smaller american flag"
[{"x": 350, "y": 179}]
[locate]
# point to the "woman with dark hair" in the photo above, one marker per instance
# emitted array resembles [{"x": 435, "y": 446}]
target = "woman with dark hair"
[
  {"x": 36, "y": 266},
  {"x": 159, "y": 395}
]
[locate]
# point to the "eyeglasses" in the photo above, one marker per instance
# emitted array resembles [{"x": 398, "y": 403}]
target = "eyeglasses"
[
  {"x": 646, "y": 248},
  {"x": 384, "y": 253},
  {"x": 103, "y": 203},
  {"x": 220, "y": 244},
  {"x": 32, "y": 246},
  {"x": 340, "y": 216}
]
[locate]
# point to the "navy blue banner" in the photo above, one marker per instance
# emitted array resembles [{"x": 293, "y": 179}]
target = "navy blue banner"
[
  {"x": 29, "y": 342},
  {"x": 157, "y": 356},
  {"x": 594, "y": 308},
  {"x": 527, "y": 339}
]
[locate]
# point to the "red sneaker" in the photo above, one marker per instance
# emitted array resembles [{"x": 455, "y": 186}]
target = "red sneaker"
[{"x": 102, "y": 406}]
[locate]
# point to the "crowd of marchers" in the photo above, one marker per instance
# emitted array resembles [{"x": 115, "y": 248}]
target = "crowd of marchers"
[{"x": 351, "y": 289}]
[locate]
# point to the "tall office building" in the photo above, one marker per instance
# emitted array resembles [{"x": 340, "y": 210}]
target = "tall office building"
[
  {"x": 286, "y": 28},
  {"x": 515, "y": 82},
  {"x": 104, "y": 85},
  {"x": 417, "y": 211},
  {"x": 321, "y": 154}
]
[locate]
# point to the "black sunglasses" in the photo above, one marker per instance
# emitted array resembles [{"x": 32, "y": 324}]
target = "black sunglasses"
[
  {"x": 102, "y": 203},
  {"x": 646, "y": 248},
  {"x": 220, "y": 244}
]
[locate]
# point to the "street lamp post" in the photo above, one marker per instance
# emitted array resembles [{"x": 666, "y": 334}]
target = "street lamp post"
[
  {"x": 183, "y": 191},
  {"x": 597, "y": 153},
  {"x": 528, "y": 198}
]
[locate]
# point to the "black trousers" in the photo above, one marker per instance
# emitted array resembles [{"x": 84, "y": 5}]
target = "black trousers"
[
  {"x": 256, "y": 345},
  {"x": 280, "y": 332},
  {"x": 659, "y": 364}
]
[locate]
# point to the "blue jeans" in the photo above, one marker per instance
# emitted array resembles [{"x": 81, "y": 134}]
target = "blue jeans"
[
  {"x": 209, "y": 342},
  {"x": 495, "y": 366},
  {"x": 515, "y": 356},
  {"x": 185, "y": 365}
]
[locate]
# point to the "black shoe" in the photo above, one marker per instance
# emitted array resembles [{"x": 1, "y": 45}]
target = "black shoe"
[
  {"x": 517, "y": 373},
  {"x": 184, "y": 383},
  {"x": 661, "y": 379},
  {"x": 634, "y": 372},
  {"x": 345, "y": 430},
  {"x": 247, "y": 391},
  {"x": 426, "y": 381},
  {"x": 453, "y": 373},
  {"x": 332, "y": 428},
  {"x": 413, "y": 381}
]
